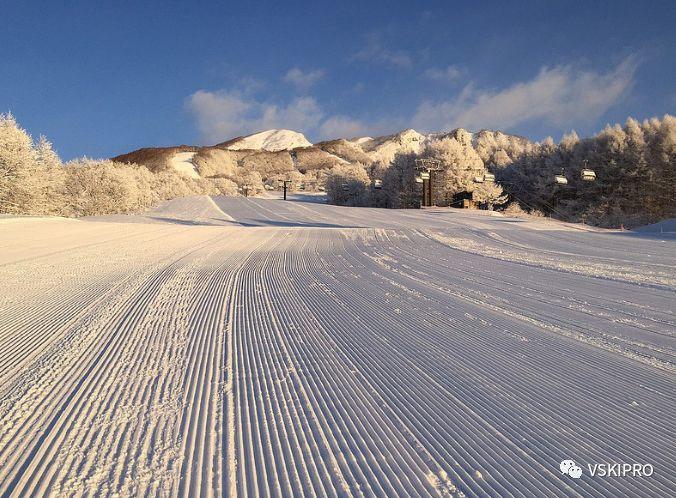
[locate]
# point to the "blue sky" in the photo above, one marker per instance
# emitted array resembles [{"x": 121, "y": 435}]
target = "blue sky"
[{"x": 103, "y": 78}]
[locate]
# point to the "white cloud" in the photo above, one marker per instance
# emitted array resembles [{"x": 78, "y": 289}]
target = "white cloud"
[
  {"x": 445, "y": 75},
  {"x": 223, "y": 115},
  {"x": 303, "y": 79},
  {"x": 560, "y": 95},
  {"x": 343, "y": 127},
  {"x": 375, "y": 51}
]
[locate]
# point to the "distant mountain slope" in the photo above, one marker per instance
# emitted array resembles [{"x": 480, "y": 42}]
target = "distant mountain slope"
[
  {"x": 383, "y": 149},
  {"x": 279, "y": 151},
  {"x": 271, "y": 140},
  {"x": 155, "y": 158}
]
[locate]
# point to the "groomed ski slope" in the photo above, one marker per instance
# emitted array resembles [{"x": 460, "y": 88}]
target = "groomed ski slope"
[{"x": 256, "y": 347}]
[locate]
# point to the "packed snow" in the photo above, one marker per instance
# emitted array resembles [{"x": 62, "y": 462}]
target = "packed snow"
[
  {"x": 664, "y": 226},
  {"x": 257, "y": 347},
  {"x": 271, "y": 140},
  {"x": 182, "y": 162}
]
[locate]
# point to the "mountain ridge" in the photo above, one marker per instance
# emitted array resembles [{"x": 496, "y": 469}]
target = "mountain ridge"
[{"x": 282, "y": 151}]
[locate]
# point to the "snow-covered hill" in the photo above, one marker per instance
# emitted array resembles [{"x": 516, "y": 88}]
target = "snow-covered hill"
[
  {"x": 276, "y": 151},
  {"x": 270, "y": 140},
  {"x": 383, "y": 149}
]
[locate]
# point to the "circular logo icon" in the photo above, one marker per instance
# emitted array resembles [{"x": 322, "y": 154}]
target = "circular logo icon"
[
  {"x": 566, "y": 465},
  {"x": 570, "y": 468}
]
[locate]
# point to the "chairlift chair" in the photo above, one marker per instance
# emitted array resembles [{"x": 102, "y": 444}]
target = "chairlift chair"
[
  {"x": 560, "y": 180},
  {"x": 588, "y": 175}
]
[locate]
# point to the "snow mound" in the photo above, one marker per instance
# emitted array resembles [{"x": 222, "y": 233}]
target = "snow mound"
[
  {"x": 271, "y": 140},
  {"x": 182, "y": 162},
  {"x": 664, "y": 226}
]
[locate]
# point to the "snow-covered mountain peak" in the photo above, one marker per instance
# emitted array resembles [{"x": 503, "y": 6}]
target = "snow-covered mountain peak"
[
  {"x": 410, "y": 135},
  {"x": 270, "y": 140}
]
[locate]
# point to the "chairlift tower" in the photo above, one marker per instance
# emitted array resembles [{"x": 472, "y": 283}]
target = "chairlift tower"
[
  {"x": 285, "y": 183},
  {"x": 426, "y": 167}
]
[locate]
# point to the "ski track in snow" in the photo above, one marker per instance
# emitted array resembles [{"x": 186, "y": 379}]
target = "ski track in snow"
[{"x": 255, "y": 347}]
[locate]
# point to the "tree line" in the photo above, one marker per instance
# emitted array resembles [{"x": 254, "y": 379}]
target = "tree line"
[
  {"x": 34, "y": 181},
  {"x": 634, "y": 164},
  {"x": 635, "y": 167}
]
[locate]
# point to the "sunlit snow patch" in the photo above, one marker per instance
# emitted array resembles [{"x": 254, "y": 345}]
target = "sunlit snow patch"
[
  {"x": 271, "y": 140},
  {"x": 182, "y": 162}
]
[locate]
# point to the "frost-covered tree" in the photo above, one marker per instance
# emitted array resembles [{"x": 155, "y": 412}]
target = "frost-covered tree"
[
  {"x": 294, "y": 177},
  {"x": 499, "y": 149},
  {"x": 635, "y": 167},
  {"x": 399, "y": 183},
  {"x": 34, "y": 181},
  {"x": 31, "y": 175},
  {"x": 268, "y": 163},
  {"x": 488, "y": 193},
  {"x": 460, "y": 164},
  {"x": 311, "y": 158},
  {"x": 103, "y": 187},
  {"x": 17, "y": 166},
  {"x": 347, "y": 185},
  {"x": 252, "y": 179},
  {"x": 48, "y": 189},
  {"x": 223, "y": 186}
]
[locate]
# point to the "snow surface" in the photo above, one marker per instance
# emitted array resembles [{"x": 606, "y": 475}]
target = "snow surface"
[
  {"x": 664, "y": 226},
  {"x": 272, "y": 140},
  {"x": 302, "y": 349},
  {"x": 182, "y": 162}
]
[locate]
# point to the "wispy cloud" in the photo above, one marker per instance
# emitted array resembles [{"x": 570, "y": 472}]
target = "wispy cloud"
[
  {"x": 447, "y": 74},
  {"x": 224, "y": 114},
  {"x": 303, "y": 80},
  {"x": 343, "y": 127},
  {"x": 221, "y": 115},
  {"x": 560, "y": 95},
  {"x": 376, "y": 51},
  {"x": 340, "y": 126},
  {"x": 564, "y": 96}
]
